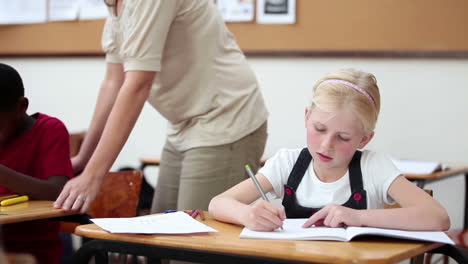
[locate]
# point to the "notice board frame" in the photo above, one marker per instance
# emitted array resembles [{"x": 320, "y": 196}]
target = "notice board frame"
[{"x": 384, "y": 28}]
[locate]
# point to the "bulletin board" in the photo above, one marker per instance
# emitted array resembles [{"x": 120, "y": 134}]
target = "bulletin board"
[{"x": 424, "y": 28}]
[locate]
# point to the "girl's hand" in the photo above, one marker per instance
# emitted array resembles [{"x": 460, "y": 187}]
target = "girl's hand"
[
  {"x": 263, "y": 216},
  {"x": 333, "y": 215}
]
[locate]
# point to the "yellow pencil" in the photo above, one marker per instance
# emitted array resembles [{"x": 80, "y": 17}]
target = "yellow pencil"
[{"x": 14, "y": 200}]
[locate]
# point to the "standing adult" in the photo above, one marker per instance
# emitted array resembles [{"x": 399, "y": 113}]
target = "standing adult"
[{"x": 180, "y": 56}]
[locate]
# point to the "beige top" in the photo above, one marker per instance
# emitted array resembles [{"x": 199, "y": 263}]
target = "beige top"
[{"x": 204, "y": 88}]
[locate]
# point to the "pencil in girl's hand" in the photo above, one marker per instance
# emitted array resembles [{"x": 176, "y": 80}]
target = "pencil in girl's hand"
[
  {"x": 252, "y": 176},
  {"x": 254, "y": 179}
]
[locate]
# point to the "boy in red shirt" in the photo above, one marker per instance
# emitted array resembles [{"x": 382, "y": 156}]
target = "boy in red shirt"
[{"x": 34, "y": 161}]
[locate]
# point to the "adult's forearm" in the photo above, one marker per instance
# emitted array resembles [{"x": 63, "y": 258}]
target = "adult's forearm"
[
  {"x": 105, "y": 102},
  {"x": 120, "y": 123}
]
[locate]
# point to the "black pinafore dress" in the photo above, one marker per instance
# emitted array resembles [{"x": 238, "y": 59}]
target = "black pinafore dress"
[{"x": 295, "y": 210}]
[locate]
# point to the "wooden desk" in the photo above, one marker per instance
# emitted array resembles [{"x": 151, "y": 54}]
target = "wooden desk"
[
  {"x": 419, "y": 179},
  {"x": 438, "y": 175},
  {"x": 225, "y": 246},
  {"x": 422, "y": 179},
  {"x": 156, "y": 161},
  {"x": 149, "y": 161},
  {"x": 31, "y": 210}
]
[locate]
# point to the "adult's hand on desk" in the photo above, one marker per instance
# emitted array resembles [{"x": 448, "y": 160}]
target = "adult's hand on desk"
[{"x": 79, "y": 193}]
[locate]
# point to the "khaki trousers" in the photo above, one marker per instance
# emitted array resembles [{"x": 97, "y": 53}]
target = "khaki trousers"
[{"x": 190, "y": 179}]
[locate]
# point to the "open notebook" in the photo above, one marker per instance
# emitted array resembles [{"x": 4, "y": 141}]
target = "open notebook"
[{"x": 292, "y": 230}]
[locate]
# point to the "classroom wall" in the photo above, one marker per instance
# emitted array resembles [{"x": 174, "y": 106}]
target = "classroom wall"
[{"x": 424, "y": 112}]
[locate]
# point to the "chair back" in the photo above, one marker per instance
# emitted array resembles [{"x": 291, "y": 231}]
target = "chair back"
[
  {"x": 76, "y": 139},
  {"x": 118, "y": 196},
  {"x": 119, "y": 193}
]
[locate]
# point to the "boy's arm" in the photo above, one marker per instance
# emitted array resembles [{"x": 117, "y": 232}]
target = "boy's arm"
[{"x": 36, "y": 189}]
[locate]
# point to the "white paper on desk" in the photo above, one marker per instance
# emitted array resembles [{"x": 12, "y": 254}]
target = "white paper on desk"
[
  {"x": 417, "y": 166},
  {"x": 171, "y": 223}
]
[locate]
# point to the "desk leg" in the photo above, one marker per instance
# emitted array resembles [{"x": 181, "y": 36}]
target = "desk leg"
[
  {"x": 154, "y": 253},
  {"x": 465, "y": 225},
  {"x": 99, "y": 249},
  {"x": 459, "y": 254},
  {"x": 420, "y": 183},
  {"x": 417, "y": 260},
  {"x": 90, "y": 249}
]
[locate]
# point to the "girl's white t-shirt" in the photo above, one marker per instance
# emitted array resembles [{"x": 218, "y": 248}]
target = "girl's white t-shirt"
[{"x": 378, "y": 173}]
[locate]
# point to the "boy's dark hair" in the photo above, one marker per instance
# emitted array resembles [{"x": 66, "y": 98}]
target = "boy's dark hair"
[{"x": 11, "y": 87}]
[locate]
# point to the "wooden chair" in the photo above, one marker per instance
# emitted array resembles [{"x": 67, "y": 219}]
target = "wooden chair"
[
  {"x": 119, "y": 192},
  {"x": 76, "y": 139},
  {"x": 118, "y": 197}
]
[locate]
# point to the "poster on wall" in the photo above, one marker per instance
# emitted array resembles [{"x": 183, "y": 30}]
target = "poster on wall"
[
  {"x": 63, "y": 10},
  {"x": 276, "y": 11},
  {"x": 236, "y": 10},
  {"x": 23, "y": 11},
  {"x": 93, "y": 9}
]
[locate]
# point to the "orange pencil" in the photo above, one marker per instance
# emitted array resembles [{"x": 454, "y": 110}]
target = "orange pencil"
[
  {"x": 8, "y": 196},
  {"x": 195, "y": 213},
  {"x": 202, "y": 216}
]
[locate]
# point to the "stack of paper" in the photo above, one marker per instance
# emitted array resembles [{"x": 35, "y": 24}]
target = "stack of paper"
[
  {"x": 417, "y": 167},
  {"x": 172, "y": 223}
]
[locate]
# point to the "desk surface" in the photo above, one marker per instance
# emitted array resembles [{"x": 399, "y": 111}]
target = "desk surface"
[
  {"x": 438, "y": 174},
  {"x": 31, "y": 210},
  {"x": 364, "y": 250}
]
